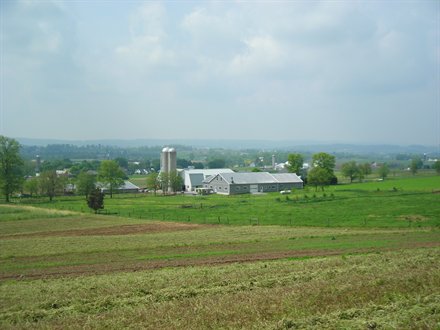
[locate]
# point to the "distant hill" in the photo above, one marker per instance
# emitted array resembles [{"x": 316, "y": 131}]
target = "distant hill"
[{"x": 299, "y": 146}]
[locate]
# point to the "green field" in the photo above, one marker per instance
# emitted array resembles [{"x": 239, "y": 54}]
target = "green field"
[
  {"x": 373, "y": 265},
  {"x": 413, "y": 201}
]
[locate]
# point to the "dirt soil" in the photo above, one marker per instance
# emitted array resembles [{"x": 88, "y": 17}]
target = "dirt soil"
[
  {"x": 97, "y": 269},
  {"x": 116, "y": 230}
]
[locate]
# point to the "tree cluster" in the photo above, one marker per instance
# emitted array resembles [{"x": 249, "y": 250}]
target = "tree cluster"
[
  {"x": 322, "y": 172},
  {"x": 352, "y": 170},
  {"x": 11, "y": 176}
]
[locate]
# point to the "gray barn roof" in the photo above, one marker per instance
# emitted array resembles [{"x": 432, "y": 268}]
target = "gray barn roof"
[
  {"x": 286, "y": 177},
  {"x": 257, "y": 178}
]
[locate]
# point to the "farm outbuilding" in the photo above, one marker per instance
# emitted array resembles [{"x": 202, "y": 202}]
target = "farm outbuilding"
[
  {"x": 252, "y": 182},
  {"x": 126, "y": 187},
  {"x": 193, "y": 178}
]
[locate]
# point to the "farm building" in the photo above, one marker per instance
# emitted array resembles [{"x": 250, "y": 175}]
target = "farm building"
[
  {"x": 193, "y": 178},
  {"x": 252, "y": 182},
  {"x": 127, "y": 187}
]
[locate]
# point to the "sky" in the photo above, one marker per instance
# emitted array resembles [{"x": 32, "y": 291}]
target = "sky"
[{"x": 327, "y": 71}]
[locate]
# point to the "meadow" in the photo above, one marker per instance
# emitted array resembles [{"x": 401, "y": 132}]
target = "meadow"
[
  {"x": 63, "y": 268},
  {"x": 401, "y": 202}
]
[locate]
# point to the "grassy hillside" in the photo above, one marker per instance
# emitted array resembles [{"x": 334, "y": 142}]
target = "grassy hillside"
[
  {"x": 66, "y": 270},
  {"x": 364, "y": 256}
]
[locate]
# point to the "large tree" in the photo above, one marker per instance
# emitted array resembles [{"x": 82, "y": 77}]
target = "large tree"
[
  {"x": 85, "y": 183},
  {"x": 350, "y": 170},
  {"x": 324, "y": 160},
  {"x": 383, "y": 171},
  {"x": 319, "y": 177},
  {"x": 11, "y": 164},
  {"x": 416, "y": 164},
  {"x": 365, "y": 170},
  {"x": 31, "y": 186},
  {"x": 295, "y": 163},
  {"x": 51, "y": 184},
  {"x": 164, "y": 179},
  {"x": 176, "y": 181},
  {"x": 153, "y": 182},
  {"x": 110, "y": 174},
  {"x": 322, "y": 173}
]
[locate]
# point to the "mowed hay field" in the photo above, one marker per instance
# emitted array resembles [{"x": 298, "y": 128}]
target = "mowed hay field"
[{"x": 61, "y": 268}]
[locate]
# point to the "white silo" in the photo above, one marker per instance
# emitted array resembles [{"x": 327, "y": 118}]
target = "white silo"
[
  {"x": 172, "y": 160},
  {"x": 164, "y": 160}
]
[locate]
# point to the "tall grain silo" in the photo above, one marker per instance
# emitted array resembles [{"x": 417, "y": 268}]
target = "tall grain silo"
[
  {"x": 164, "y": 160},
  {"x": 172, "y": 160}
]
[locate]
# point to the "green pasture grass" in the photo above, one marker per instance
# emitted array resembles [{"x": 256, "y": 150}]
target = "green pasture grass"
[
  {"x": 387, "y": 290},
  {"x": 402, "y": 202},
  {"x": 411, "y": 183}
]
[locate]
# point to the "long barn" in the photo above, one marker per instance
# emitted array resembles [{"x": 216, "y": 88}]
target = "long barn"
[{"x": 252, "y": 182}]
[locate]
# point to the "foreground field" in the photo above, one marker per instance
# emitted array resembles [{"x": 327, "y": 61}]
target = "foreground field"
[{"x": 64, "y": 269}]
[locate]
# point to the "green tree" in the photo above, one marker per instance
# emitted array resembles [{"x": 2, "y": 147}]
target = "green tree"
[
  {"x": 322, "y": 173},
  {"x": 364, "y": 170},
  {"x": 85, "y": 183},
  {"x": 319, "y": 177},
  {"x": 350, "y": 170},
  {"x": 153, "y": 182},
  {"x": 176, "y": 181},
  {"x": 11, "y": 177},
  {"x": 383, "y": 171},
  {"x": 416, "y": 164},
  {"x": 122, "y": 162},
  {"x": 95, "y": 199},
  {"x": 111, "y": 175},
  {"x": 31, "y": 186},
  {"x": 217, "y": 163},
  {"x": 295, "y": 163},
  {"x": 51, "y": 184},
  {"x": 324, "y": 160},
  {"x": 164, "y": 179},
  {"x": 436, "y": 166}
]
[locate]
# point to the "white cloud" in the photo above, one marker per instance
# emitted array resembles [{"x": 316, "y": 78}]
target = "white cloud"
[
  {"x": 147, "y": 47},
  {"x": 262, "y": 53}
]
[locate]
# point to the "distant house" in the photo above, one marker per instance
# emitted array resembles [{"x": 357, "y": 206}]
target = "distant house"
[
  {"x": 193, "y": 178},
  {"x": 252, "y": 182},
  {"x": 127, "y": 187}
]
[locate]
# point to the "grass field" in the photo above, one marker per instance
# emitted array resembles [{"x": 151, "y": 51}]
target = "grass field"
[
  {"x": 413, "y": 201},
  {"x": 62, "y": 268}
]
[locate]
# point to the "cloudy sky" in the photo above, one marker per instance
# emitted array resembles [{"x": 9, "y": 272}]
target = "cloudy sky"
[{"x": 335, "y": 71}]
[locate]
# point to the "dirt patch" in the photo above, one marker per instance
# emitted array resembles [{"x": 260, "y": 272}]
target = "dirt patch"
[
  {"x": 110, "y": 267},
  {"x": 156, "y": 227}
]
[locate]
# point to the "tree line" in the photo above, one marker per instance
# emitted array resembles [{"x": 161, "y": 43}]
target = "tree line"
[{"x": 112, "y": 173}]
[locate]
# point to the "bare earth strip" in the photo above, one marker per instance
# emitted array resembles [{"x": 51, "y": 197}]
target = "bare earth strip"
[
  {"x": 96, "y": 269},
  {"x": 155, "y": 227}
]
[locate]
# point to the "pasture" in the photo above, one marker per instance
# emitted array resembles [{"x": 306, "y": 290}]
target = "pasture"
[
  {"x": 63, "y": 268},
  {"x": 398, "y": 203}
]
